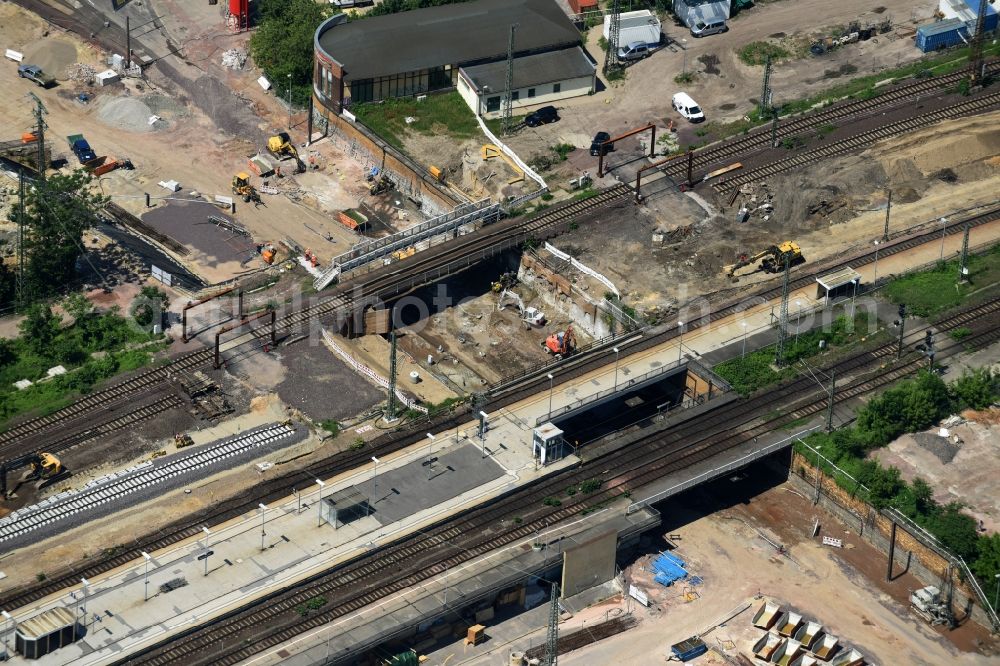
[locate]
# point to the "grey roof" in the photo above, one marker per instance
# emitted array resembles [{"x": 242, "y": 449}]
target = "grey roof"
[
  {"x": 532, "y": 70},
  {"x": 453, "y": 34}
]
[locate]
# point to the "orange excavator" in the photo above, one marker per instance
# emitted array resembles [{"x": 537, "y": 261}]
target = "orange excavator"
[{"x": 561, "y": 344}]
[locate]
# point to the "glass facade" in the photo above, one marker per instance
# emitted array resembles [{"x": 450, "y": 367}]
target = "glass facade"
[{"x": 403, "y": 85}]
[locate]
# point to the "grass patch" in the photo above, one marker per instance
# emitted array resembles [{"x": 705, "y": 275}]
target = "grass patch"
[
  {"x": 331, "y": 426},
  {"x": 933, "y": 291},
  {"x": 684, "y": 77},
  {"x": 446, "y": 114},
  {"x": 756, "y": 53}
]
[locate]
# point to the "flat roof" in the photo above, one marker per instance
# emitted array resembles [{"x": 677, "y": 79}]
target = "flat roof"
[
  {"x": 43, "y": 624},
  {"x": 838, "y": 278},
  {"x": 464, "y": 32},
  {"x": 532, "y": 70},
  {"x": 346, "y": 497}
]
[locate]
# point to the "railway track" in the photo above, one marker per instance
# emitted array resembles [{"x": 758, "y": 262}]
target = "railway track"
[
  {"x": 860, "y": 141},
  {"x": 890, "y": 96},
  {"x": 578, "y": 365},
  {"x": 374, "y": 576}
]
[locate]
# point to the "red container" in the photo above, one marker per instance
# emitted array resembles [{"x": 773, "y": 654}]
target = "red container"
[
  {"x": 239, "y": 7},
  {"x": 580, "y": 6}
]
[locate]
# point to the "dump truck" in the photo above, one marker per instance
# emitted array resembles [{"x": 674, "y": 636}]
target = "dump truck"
[
  {"x": 81, "y": 148},
  {"x": 35, "y": 73}
]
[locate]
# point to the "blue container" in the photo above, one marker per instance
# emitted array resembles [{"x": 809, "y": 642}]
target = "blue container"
[
  {"x": 991, "y": 15},
  {"x": 689, "y": 648},
  {"x": 940, "y": 35}
]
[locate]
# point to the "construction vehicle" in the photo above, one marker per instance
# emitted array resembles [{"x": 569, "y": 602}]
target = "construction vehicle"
[
  {"x": 381, "y": 186},
  {"x": 530, "y": 316},
  {"x": 45, "y": 469},
  {"x": 927, "y": 603},
  {"x": 81, "y": 148},
  {"x": 242, "y": 187},
  {"x": 773, "y": 259},
  {"x": 35, "y": 73},
  {"x": 182, "y": 440},
  {"x": 266, "y": 252},
  {"x": 280, "y": 145},
  {"x": 561, "y": 344},
  {"x": 506, "y": 281}
]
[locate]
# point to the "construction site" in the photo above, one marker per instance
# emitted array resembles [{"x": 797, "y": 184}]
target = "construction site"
[{"x": 451, "y": 359}]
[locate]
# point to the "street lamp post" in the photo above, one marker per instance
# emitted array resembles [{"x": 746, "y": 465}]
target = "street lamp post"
[
  {"x": 374, "y": 485},
  {"x": 86, "y": 591},
  {"x": 616, "y": 351},
  {"x": 319, "y": 503},
  {"x": 680, "y": 343},
  {"x": 483, "y": 416},
  {"x": 875, "y": 279},
  {"x": 263, "y": 511},
  {"x": 854, "y": 295},
  {"x": 430, "y": 455},
  {"x": 944, "y": 223},
  {"x": 208, "y": 533},
  {"x": 996, "y": 597},
  {"x": 289, "y": 101},
  {"x": 145, "y": 574},
  {"x": 551, "y": 380}
]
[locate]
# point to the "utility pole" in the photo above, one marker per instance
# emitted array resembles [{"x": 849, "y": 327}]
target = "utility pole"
[
  {"x": 40, "y": 112},
  {"x": 508, "y": 93},
  {"x": 963, "y": 265},
  {"x": 902, "y": 323},
  {"x": 552, "y": 637},
  {"x": 978, "y": 63},
  {"x": 888, "y": 207},
  {"x": 774, "y": 127},
  {"x": 765, "y": 90},
  {"x": 611, "y": 62},
  {"x": 929, "y": 347},
  {"x": 21, "y": 295},
  {"x": 829, "y": 407},
  {"x": 391, "y": 408},
  {"x": 128, "y": 44},
  {"x": 779, "y": 353}
]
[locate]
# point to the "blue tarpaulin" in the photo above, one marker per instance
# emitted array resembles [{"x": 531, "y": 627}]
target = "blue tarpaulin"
[{"x": 668, "y": 568}]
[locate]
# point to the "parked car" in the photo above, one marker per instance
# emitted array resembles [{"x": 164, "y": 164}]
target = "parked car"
[
  {"x": 701, "y": 29},
  {"x": 35, "y": 73},
  {"x": 634, "y": 51},
  {"x": 598, "y": 144},
  {"x": 687, "y": 107},
  {"x": 542, "y": 116}
]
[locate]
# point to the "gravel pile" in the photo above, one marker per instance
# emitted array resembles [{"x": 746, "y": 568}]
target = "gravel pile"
[
  {"x": 127, "y": 113},
  {"x": 81, "y": 73},
  {"x": 234, "y": 59}
]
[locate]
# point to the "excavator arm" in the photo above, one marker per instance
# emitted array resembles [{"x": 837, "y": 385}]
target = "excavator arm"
[{"x": 730, "y": 270}]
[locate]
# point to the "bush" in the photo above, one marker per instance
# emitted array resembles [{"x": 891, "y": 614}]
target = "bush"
[
  {"x": 755, "y": 53},
  {"x": 976, "y": 389}
]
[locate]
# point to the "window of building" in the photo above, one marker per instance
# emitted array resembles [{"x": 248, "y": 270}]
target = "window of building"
[
  {"x": 556, "y": 87},
  {"x": 493, "y": 104},
  {"x": 515, "y": 95},
  {"x": 531, "y": 92}
]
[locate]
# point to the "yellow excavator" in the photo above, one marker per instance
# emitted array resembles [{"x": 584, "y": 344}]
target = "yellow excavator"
[
  {"x": 772, "y": 259},
  {"x": 45, "y": 468},
  {"x": 242, "y": 187},
  {"x": 280, "y": 145}
]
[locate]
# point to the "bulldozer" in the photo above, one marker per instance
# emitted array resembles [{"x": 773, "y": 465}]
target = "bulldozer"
[
  {"x": 560, "y": 344},
  {"x": 242, "y": 187},
  {"x": 772, "y": 259},
  {"x": 280, "y": 145},
  {"x": 45, "y": 469}
]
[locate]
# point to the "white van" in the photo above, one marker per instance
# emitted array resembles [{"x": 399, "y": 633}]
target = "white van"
[{"x": 687, "y": 107}]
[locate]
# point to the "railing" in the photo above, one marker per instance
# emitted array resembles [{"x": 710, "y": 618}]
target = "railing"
[
  {"x": 368, "y": 372},
  {"x": 600, "y": 395},
  {"x": 583, "y": 268},
  {"x": 718, "y": 471}
]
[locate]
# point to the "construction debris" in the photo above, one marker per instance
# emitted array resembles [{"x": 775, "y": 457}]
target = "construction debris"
[
  {"x": 81, "y": 73},
  {"x": 234, "y": 58},
  {"x": 754, "y": 200}
]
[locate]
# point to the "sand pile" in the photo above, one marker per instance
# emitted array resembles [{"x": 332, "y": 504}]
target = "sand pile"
[
  {"x": 127, "y": 113},
  {"x": 54, "y": 56}
]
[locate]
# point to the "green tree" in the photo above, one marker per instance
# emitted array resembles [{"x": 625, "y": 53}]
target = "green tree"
[
  {"x": 987, "y": 564},
  {"x": 976, "y": 389},
  {"x": 884, "y": 485},
  {"x": 956, "y": 530},
  {"x": 57, "y": 211},
  {"x": 8, "y": 286},
  {"x": 39, "y": 328},
  {"x": 909, "y": 407},
  {"x": 78, "y": 307},
  {"x": 283, "y": 42}
]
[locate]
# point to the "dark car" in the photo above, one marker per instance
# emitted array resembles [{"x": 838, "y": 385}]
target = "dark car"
[
  {"x": 542, "y": 116},
  {"x": 598, "y": 144}
]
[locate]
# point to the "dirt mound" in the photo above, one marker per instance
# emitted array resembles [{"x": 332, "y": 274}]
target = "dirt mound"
[
  {"x": 957, "y": 143},
  {"x": 841, "y": 181},
  {"x": 127, "y": 113},
  {"x": 54, "y": 56}
]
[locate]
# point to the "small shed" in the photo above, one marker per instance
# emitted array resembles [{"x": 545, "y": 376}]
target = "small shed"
[
  {"x": 941, "y": 35},
  {"x": 640, "y": 26},
  {"x": 838, "y": 283},
  {"x": 547, "y": 443},
  {"x": 344, "y": 506},
  {"x": 581, "y": 6},
  {"x": 45, "y": 633}
]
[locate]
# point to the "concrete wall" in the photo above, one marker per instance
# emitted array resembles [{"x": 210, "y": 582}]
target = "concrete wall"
[
  {"x": 929, "y": 567},
  {"x": 589, "y": 564},
  {"x": 564, "y": 297}
]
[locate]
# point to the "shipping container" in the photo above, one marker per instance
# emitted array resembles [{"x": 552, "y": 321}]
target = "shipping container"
[
  {"x": 581, "y": 6},
  {"x": 940, "y": 35},
  {"x": 689, "y": 648}
]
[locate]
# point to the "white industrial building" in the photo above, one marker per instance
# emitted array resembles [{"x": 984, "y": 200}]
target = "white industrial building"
[
  {"x": 692, "y": 12},
  {"x": 967, "y": 11},
  {"x": 542, "y": 78},
  {"x": 641, "y": 26}
]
